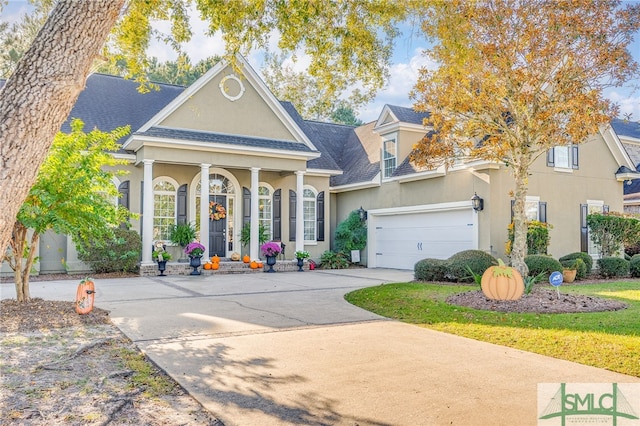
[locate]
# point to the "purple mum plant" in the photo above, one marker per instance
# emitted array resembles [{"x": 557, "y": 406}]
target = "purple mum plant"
[
  {"x": 194, "y": 249},
  {"x": 271, "y": 249}
]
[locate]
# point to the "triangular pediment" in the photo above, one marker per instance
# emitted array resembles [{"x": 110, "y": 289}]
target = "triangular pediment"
[{"x": 231, "y": 101}]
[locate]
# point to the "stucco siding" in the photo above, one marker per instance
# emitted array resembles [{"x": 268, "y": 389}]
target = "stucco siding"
[{"x": 209, "y": 110}]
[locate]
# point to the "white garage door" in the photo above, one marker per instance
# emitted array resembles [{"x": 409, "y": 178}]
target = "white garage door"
[{"x": 401, "y": 240}]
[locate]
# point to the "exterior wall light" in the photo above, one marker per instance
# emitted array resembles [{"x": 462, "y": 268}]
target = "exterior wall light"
[
  {"x": 477, "y": 203},
  {"x": 362, "y": 213}
]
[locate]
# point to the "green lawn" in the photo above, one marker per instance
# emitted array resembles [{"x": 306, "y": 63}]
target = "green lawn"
[{"x": 609, "y": 340}]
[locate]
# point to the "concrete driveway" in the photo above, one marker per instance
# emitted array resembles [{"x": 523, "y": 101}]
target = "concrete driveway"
[{"x": 286, "y": 349}]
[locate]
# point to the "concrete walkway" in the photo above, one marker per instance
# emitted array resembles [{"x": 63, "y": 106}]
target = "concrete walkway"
[{"x": 286, "y": 349}]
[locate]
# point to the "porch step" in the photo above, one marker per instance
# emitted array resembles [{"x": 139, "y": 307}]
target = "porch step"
[{"x": 227, "y": 266}]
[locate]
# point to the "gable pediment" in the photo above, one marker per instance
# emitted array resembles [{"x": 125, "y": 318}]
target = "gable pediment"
[{"x": 230, "y": 101}]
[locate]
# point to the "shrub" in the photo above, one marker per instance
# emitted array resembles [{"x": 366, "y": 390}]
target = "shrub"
[
  {"x": 541, "y": 263},
  {"x": 610, "y": 267},
  {"x": 182, "y": 234},
  {"x": 577, "y": 264},
  {"x": 537, "y": 237},
  {"x": 634, "y": 266},
  {"x": 588, "y": 261},
  {"x": 430, "y": 270},
  {"x": 351, "y": 234},
  {"x": 612, "y": 231},
  {"x": 334, "y": 260},
  {"x": 477, "y": 260},
  {"x": 120, "y": 254}
]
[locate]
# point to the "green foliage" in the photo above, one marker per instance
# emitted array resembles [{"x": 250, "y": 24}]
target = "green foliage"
[
  {"x": 351, "y": 234},
  {"x": 477, "y": 278},
  {"x": 431, "y": 270},
  {"x": 182, "y": 234},
  {"x": 537, "y": 237},
  {"x": 612, "y": 231},
  {"x": 634, "y": 266},
  {"x": 531, "y": 280},
  {"x": 160, "y": 256},
  {"x": 245, "y": 236},
  {"x": 334, "y": 260},
  {"x": 345, "y": 114},
  {"x": 610, "y": 267},
  {"x": 542, "y": 264},
  {"x": 588, "y": 261},
  {"x": 477, "y": 260},
  {"x": 118, "y": 254}
]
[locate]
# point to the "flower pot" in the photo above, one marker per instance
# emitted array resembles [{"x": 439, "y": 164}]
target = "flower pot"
[
  {"x": 271, "y": 260},
  {"x": 300, "y": 264},
  {"x": 162, "y": 266},
  {"x": 194, "y": 262},
  {"x": 569, "y": 275}
]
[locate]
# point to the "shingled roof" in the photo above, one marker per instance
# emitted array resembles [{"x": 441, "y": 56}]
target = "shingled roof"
[
  {"x": 408, "y": 115},
  {"x": 108, "y": 102}
]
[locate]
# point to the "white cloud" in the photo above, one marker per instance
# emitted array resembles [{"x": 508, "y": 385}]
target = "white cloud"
[
  {"x": 404, "y": 76},
  {"x": 628, "y": 103}
]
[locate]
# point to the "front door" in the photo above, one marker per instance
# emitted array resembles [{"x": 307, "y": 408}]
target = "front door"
[{"x": 217, "y": 225}]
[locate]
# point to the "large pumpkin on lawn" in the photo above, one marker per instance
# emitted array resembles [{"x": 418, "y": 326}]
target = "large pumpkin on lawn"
[{"x": 502, "y": 283}]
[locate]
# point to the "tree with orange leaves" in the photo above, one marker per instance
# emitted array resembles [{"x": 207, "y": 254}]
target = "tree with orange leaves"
[{"x": 518, "y": 77}]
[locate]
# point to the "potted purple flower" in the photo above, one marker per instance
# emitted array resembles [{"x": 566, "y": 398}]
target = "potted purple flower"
[
  {"x": 271, "y": 250},
  {"x": 194, "y": 250}
]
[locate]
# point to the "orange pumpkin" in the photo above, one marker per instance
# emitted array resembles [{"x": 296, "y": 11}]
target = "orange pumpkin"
[
  {"x": 215, "y": 259},
  {"x": 246, "y": 258},
  {"x": 260, "y": 264},
  {"x": 215, "y": 266},
  {"x": 207, "y": 265},
  {"x": 502, "y": 283},
  {"x": 253, "y": 265},
  {"x": 85, "y": 296}
]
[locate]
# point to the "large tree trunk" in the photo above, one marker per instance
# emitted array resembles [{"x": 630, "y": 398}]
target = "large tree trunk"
[
  {"x": 39, "y": 95},
  {"x": 519, "y": 249}
]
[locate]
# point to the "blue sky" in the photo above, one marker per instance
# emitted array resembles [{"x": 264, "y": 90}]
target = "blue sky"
[{"x": 407, "y": 60}]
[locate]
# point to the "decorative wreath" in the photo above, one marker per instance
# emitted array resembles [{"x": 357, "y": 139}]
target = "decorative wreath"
[{"x": 216, "y": 211}]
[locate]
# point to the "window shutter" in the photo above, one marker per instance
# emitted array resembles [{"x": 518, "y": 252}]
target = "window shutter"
[
  {"x": 292, "y": 215},
  {"x": 246, "y": 206},
  {"x": 277, "y": 215},
  {"x": 182, "y": 204},
  {"x": 542, "y": 211},
  {"x": 551, "y": 162},
  {"x": 123, "y": 199},
  {"x": 584, "y": 230},
  {"x": 320, "y": 216},
  {"x": 574, "y": 156}
]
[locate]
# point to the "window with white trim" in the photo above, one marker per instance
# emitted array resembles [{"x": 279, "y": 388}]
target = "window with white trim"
[
  {"x": 594, "y": 207},
  {"x": 309, "y": 209},
  {"x": 265, "y": 209},
  {"x": 164, "y": 209},
  {"x": 389, "y": 157},
  {"x": 563, "y": 157}
]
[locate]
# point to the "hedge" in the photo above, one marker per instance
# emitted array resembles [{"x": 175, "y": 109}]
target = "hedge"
[{"x": 610, "y": 267}]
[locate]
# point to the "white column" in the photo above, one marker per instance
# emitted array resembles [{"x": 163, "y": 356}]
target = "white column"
[
  {"x": 254, "y": 242},
  {"x": 204, "y": 207},
  {"x": 299, "y": 211},
  {"x": 147, "y": 213}
]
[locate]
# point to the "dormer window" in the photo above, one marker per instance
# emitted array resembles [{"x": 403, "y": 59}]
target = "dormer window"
[{"x": 389, "y": 156}]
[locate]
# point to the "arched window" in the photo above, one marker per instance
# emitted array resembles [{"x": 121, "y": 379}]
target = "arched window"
[
  {"x": 309, "y": 203},
  {"x": 164, "y": 207},
  {"x": 265, "y": 208}
]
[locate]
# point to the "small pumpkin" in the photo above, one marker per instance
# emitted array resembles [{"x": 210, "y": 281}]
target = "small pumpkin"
[
  {"x": 502, "y": 283},
  {"x": 215, "y": 266},
  {"x": 85, "y": 296},
  {"x": 253, "y": 265},
  {"x": 260, "y": 264},
  {"x": 215, "y": 259},
  {"x": 235, "y": 256},
  {"x": 246, "y": 258},
  {"x": 207, "y": 266}
]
